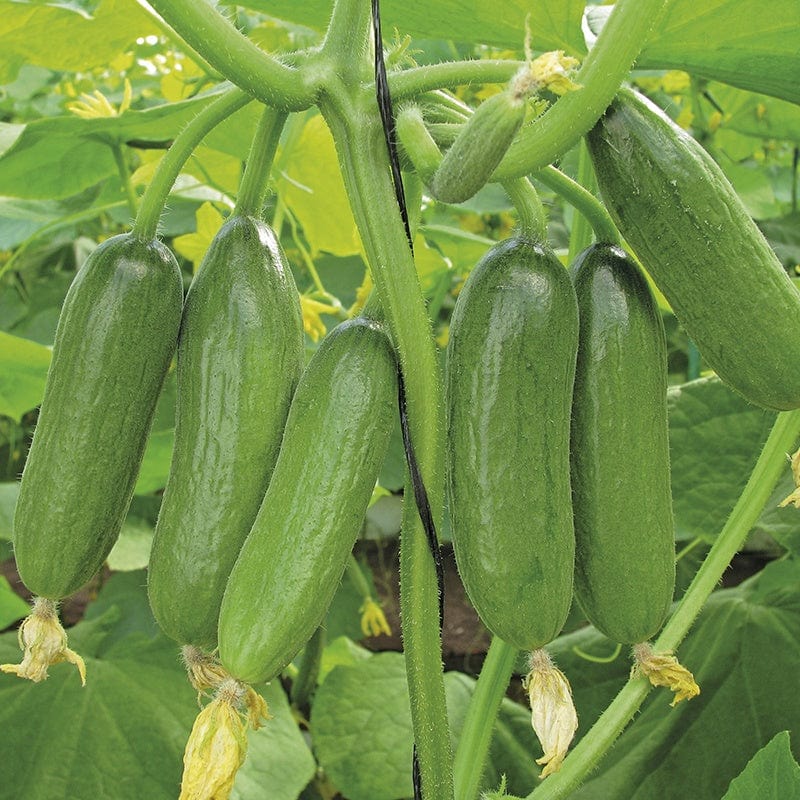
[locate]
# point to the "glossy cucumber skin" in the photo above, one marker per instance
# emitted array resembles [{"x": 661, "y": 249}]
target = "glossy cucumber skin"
[
  {"x": 240, "y": 355},
  {"x": 291, "y": 564},
  {"x": 115, "y": 339},
  {"x": 621, "y": 495},
  {"x": 691, "y": 232},
  {"x": 478, "y": 148},
  {"x": 510, "y": 371}
]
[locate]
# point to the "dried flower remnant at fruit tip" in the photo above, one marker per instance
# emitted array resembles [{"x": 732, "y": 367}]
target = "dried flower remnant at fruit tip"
[
  {"x": 663, "y": 669},
  {"x": 44, "y": 643},
  {"x": 205, "y": 672},
  {"x": 794, "y": 497},
  {"x": 553, "y": 715},
  {"x": 217, "y": 745},
  {"x": 551, "y": 71},
  {"x": 373, "y": 620}
]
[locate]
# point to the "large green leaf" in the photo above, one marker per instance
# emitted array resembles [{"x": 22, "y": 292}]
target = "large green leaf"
[
  {"x": 554, "y": 24},
  {"x": 740, "y": 42},
  {"x": 122, "y": 736},
  {"x": 60, "y": 156},
  {"x": 743, "y": 651},
  {"x": 23, "y": 371},
  {"x": 361, "y": 725},
  {"x": 12, "y": 606},
  {"x": 64, "y": 36},
  {"x": 772, "y": 774}
]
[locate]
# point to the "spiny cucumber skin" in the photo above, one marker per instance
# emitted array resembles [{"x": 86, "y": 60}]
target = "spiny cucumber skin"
[
  {"x": 291, "y": 564},
  {"x": 621, "y": 495},
  {"x": 115, "y": 339},
  {"x": 691, "y": 232},
  {"x": 479, "y": 148},
  {"x": 240, "y": 355},
  {"x": 510, "y": 371}
]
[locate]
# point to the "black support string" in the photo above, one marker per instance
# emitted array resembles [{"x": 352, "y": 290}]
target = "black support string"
[{"x": 420, "y": 494}]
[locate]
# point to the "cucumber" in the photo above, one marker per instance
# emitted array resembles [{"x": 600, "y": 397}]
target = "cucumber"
[
  {"x": 115, "y": 339},
  {"x": 625, "y": 542},
  {"x": 479, "y": 147},
  {"x": 240, "y": 355},
  {"x": 510, "y": 371},
  {"x": 691, "y": 232},
  {"x": 290, "y": 566}
]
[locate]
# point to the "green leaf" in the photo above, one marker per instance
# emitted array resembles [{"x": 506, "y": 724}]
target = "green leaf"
[
  {"x": 743, "y": 651},
  {"x": 715, "y": 438},
  {"x": 32, "y": 166},
  {"x": 12, "y": 606},
  {"x": 122, "y": 736},
  {"x": 361, "y": 724},
  {"x": 772, "y": 774},
  {"x": 734, "y": 41},
  {"x": 554, "y": 24},
  {"x": 155, "y": 464},
  {"x": 784, "y": 237},
  {"x": 132, "y": 550},
  {"x": 62, "y": 36},
  {"x": 9, "y": 492},
  {"x": 23, "y": 371}
]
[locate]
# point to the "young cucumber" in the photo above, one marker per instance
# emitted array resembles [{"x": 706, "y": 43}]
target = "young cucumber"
[
  {"x": 240, "y": 355},
  {"x": 336, "y": 437},
  {"x": 115, "y": 339},
  {"x": 691, "y": 232},
  {"x": 625, "y": 556},
  {"x": 479, "y": 147},
  {"x": 510, "y": 371}
]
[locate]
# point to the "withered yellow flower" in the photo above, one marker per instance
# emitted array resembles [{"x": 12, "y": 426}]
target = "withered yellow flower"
[
  {"x": 663, "y": 669},
  {"x": 44, "y": 643}
]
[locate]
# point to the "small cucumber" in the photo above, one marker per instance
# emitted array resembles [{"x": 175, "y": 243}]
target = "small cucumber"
[
  {"x": 510, "y": 371},
  {"x": 625, "y": 542},
  {"x": 292, "y": 561},
  {"x": 479, "y": 148},
  {"x": 115, "y": 339},
  {"x": 691, "y": 232},
  {"x": 240, "y": 355}
]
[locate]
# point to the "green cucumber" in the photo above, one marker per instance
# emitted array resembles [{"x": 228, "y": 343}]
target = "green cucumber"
[
  {"x": 479, "y": 147},
  {"x": 625, "y": 541},
  {"x": 240, "y": 355},
  {"x": 510, "y": 371},
  {"x": 115, "y": 339},
  {"x": 691, "y": 232},
  {"x": 335, "y": 441}
]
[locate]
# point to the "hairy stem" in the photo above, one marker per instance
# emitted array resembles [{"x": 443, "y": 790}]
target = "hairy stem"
[
  {"x": 146, "y": 225},
  {"x": 530, "y": 212},
  {"x": 259, "y": 162},
  {"x": 476, "y": 735},
  {"x": 597, "y": 741},
  {"x": 203, "y": 28}
]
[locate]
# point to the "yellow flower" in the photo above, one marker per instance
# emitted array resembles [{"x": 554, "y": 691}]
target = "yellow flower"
[
  {"x": 362, "y": 293},
  {"x": 373, "y": 620},
  {"x": 44, "y": 643},
  {"x": 663, "y": 669},
  {"x": 553, "y": 715},
  {"x": 205, "y": 671},
  {"x": 96, "y": 105},
  {"x": 551, "y": 71},
  {"x": 794, "y": 497},
  {"x": 312, "y": 323},
  {"x": 194, "y": 245}
]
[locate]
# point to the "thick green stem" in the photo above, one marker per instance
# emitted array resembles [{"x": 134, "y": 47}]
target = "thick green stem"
[
  {"x": 580, "y": 235},
  {"x": 765, "y": 475},
  {"x": 583, "y": 201},
  {"x": 237, "y": 58},
  {"x": 357, "y": 132},
  {"x": 259, "y": 162},
  {"x": 305, "y": 682},
  {"x": 347, "y": 38},
  {"x": 417, "y": 143},
  {"x": 476, "y": 735},
  {"x": 146, "y": 225},
  {"x": 357, "y": 577},
  {"x": 530, "y": 211},
  {"x": 415, "y": 81},
  {"x": 600, "y": 75}
]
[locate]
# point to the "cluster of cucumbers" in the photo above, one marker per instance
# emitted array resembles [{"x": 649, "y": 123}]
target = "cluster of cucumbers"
[
  {"x": 559, "y": 475},
  {"x": 556, "y": 395}
]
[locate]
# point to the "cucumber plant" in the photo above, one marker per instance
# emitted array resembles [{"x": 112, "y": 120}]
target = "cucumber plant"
[{"x": 547, "y": 426}]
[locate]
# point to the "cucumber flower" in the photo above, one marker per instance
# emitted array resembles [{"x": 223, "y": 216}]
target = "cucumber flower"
[
  {"x": 663, "y": 669},
  {"x": 96, "y": 105},
  {"x": 312, "y": 322},
  {"x": 373, "y": 620}
]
